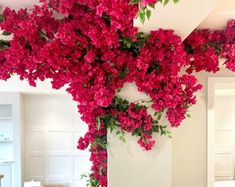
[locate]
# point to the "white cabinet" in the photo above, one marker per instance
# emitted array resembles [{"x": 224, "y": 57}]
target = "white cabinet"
[
  {"x": 11, "y": 143},
  {"x": 6, "y": 133}
]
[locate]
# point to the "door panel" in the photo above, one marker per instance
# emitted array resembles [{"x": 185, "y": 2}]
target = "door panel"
[{"x": 224, "y": 137}]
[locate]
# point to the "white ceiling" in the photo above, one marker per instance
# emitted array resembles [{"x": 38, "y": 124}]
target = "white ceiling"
[
  {"x": 16, "y": 4},
  {"x": 14, "y": 84},
  {"x": 183, "y": 17},
  {"x": 218, "y": 18}
]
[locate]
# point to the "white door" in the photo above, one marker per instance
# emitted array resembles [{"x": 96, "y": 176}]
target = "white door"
[{"x": 224, "y": 137}]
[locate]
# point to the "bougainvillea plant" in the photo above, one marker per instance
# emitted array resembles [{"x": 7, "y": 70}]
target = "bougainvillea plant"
[{"x": 93, "y": 48}]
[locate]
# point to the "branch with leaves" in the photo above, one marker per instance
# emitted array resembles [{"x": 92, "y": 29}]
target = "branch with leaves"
[
  {"x": 123, "y": 116},
  {"x": 145, "y": 7}
]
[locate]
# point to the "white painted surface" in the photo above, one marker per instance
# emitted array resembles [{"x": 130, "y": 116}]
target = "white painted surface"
[
  {"x": 129, "y": 165},
  {"x": 218, "y": 18},
  {"x": 224, "y": 142},
  {"x": 183, "y": 17},
  {"x": 189, "y": 143},
  {"x": 52, "y": 128},
  {"x": 16, "y": 4},
  {"x": 13, "y": 158},
  {"x": 225, "y": 183},
  {"x": 14, "y": 84},
  {"x": 220, "y": 158}
]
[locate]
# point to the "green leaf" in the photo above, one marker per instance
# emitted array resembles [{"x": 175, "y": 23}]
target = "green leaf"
[
  {"x": 5, "y": 33},
  {"x": 176, "y": 1},
  {"x": 156, "y": 128},
  {"x": 151, "y": 5},
  {"x": 118, "y": 132},
  {"x": 123, "y": 74},
  {"x": 4, "y": 44},
  {"x": 148, "y": 13},
  {"x": 158, "y": 115},
  {"x": 136, "y": 132},
  {"x": 83, "y": 176},
  {"x": 122, "y": 139},
  {"x": 98, "y": 122},
  {"x": 141, "y": 16},
  {"x": 133, "y": 2},
  {"x": 1, "y": 18},
  {"x": 119, "y": 90},
  {"x": 166, "y": 2}
]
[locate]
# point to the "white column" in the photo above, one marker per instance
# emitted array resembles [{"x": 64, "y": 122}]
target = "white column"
[{"x": 129, "y": 165}]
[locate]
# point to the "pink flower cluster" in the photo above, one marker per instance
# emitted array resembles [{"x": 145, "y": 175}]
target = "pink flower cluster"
[
  {"x": 228, "y": 45},
  {"x": 158, "y": 75},
  {"x": 205, "y": 48},
  {"x": 137, "y": 118},
  {"x": 144, "y": 3}
]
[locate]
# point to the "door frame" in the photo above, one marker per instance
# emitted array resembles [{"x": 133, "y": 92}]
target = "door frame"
[{"x": 213, "y": 84}]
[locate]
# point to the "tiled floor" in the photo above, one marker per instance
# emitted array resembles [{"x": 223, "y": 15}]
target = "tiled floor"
[{"x": 224, "y": 184}]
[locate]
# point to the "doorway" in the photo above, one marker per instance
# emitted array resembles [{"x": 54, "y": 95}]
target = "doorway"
[{"x": 221, "y": 132}]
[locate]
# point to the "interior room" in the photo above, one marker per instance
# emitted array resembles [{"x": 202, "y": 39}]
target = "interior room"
[
  {"x": 124, "y": 93},
  {"x": 39, "y": 134}
]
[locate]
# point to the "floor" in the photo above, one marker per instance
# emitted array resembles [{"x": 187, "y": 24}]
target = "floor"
[{"x": 224, "y": 184}]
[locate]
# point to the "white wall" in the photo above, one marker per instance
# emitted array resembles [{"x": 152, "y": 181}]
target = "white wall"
[
  {"x": 129, "y": 165},
  {"x": 189, "y": 141}
]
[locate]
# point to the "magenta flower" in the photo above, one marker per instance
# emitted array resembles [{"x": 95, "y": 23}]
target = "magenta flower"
[{"x": 144, "y": 3}]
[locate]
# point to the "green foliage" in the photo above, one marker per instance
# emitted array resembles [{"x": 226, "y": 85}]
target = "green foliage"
[
  {"x": 145, "y": 12},
  {"x": 188, "y": 48},
  {"x": 90, "y": 180},
  {"x": 121, "y": 135},
  {"x": 100, "y": 141},
  {"x": 4, "y": 44},
  {"x": 155, "y": 66},
  {"x": 125, "y": 43},
  {"x": 119, "y": 90},
  {"x": 122, "y": 74},
  {"x": 133, "y": 2},
  {"x": 1, "y": 18},
  {"x": 165, "y": 2},
  {"x": 120, "y": 104},
  {"x": 216, "y": 45},
  {"x": 111, "y": 122},
  {"x": 142, "y": 15},
  {"x": 160, "y": 129},
  {"x": 108, "y": 120},
  {"x": 133, "y": 46},
  {"x": 136, "y": 132},
  {"x": 158, "y": 115},
  {"x": 5, "y": 33},
  {"x": 106, "y": 19}
]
